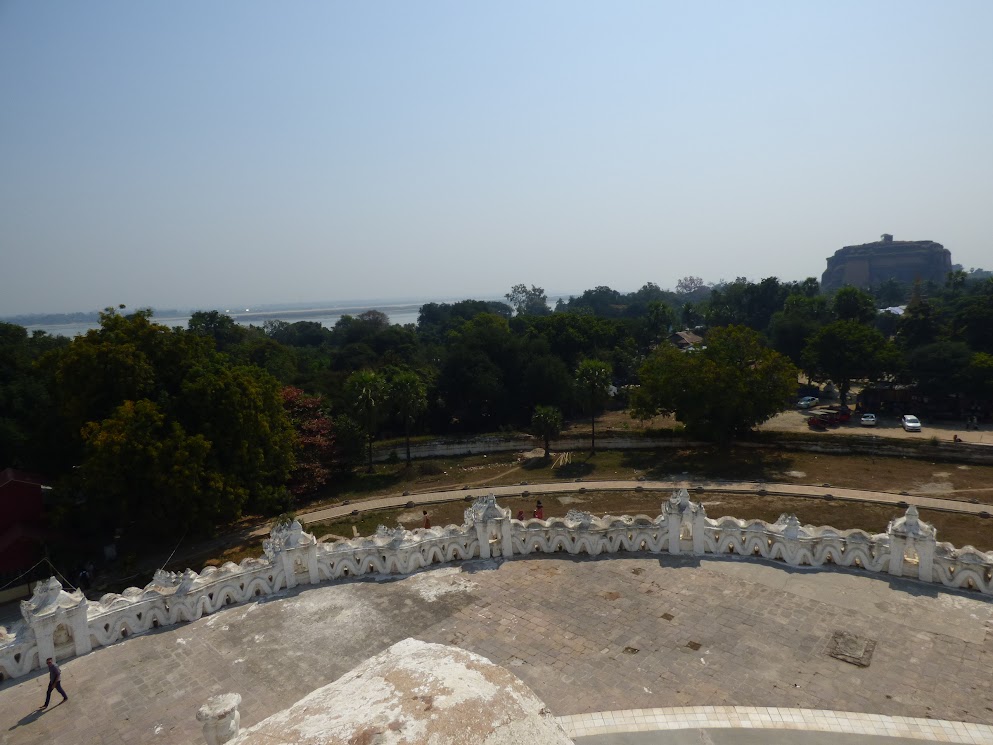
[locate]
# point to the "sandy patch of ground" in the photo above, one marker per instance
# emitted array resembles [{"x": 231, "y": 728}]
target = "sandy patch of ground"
[
  {"x": 796, "y": 474},
  {"x": 935, "y": 487}
]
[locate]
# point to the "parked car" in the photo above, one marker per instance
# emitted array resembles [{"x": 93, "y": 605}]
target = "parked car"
[
  {"x": 822, "y": 419},
  {"x": 868, "y": 420},
  {"x": 842, "y": 412},
  {"x": 911, "y": 423},
  {"x": 807, "y": 401}
]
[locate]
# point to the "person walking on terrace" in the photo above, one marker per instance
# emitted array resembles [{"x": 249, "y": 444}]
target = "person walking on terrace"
[{"x": 54, "y": 681}]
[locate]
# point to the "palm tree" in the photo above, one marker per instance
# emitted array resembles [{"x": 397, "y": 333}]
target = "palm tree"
[
  {"x": 546, "y": 423},
  {"x": 593, "y": 378},
  {"x": 409, "y": 396},
  {"x": 368, "y": 391}
]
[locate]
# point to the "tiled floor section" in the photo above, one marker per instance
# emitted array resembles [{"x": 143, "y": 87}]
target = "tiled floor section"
[
  {"x": 750, "y": 717},
  {"x": 587, "y": 635}
]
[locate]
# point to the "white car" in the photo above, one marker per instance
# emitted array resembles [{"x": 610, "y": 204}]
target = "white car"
[
  {"x": 868, "y": 420},
  {"x": 807, "y": 401},
  {"x": 910, "y": 423}
]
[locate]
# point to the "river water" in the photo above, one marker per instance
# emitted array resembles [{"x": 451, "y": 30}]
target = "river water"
[{"x": 327, "y": 317}]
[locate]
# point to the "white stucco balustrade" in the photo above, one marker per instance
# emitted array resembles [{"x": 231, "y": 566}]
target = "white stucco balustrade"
[{"x": 60, "y": 624}]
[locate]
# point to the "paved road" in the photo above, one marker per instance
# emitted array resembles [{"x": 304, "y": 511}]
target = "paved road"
[
  {"x": 585, "y": 634},
  {"x": 558, "y": 487}
]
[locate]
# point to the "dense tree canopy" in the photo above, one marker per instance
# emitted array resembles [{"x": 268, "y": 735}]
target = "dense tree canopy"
[
  {"x": 720, "y": 392},
  {"x": 844, "y": 351},
  {"x": 162, "y": 432},
  {"x": 249, "y": 418}
]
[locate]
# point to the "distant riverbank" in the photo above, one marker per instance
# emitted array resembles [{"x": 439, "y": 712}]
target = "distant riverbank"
[{"x": 400, "y": 314}]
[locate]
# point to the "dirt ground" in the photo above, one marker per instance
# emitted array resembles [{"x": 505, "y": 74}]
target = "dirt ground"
[
  {"x": 795, "y": 421},
  {"x": 888, "y": 426}
]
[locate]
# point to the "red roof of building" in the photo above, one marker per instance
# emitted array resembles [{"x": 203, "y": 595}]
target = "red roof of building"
[{"x": 8, "y": 475}]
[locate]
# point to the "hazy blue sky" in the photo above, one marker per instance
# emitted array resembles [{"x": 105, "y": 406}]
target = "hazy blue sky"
[{"x": 200, "y": 153}]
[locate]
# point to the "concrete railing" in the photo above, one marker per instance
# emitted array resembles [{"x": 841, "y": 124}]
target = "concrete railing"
[{"x": 60, "y": 624}]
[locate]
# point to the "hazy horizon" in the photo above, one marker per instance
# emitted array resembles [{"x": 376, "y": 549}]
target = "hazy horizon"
[{"x": 176, "y": 155}]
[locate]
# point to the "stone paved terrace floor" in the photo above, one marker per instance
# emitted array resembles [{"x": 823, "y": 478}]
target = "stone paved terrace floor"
[{"x": 585, "y": 634}]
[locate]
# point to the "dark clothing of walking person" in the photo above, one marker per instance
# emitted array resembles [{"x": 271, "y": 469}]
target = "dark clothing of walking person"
[{"x": 54, "y": 681}]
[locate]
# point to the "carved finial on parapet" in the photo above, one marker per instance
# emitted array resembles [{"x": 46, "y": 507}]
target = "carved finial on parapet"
[
  {"x": 791, "y": 526},
  {"x": 162, "y": 578},
  {"x": 679, "y": 504},
  {"x": 294, "y": 535},
  {"x": 911, "y": 541},
  {"x": 285, "y": 535},
  {"x": 221, "y": 718},
  {"x": 579, "y": 517},
  {"x": 910, "y": 526},
  {"x": 485, "y": 509},
  {"x": 186, "y": 583},
  {"x": 49, "y": 598}
]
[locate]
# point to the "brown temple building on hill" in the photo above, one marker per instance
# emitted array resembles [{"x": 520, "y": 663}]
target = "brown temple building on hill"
[{"x": 871, "y": 264}]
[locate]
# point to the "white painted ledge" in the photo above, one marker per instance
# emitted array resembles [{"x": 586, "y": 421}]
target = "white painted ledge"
[{"x": 757, "y": 717}]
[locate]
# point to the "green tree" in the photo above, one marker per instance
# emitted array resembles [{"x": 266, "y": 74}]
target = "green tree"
[
  {"x": 150, "y": 475},
  {"x": 844, "y": 351},
  {"x": 219, "y": 327},
  {"x": 410, "y": 399},
  {"x": 546, "y": 424},
  {"x": 890, "y": 293},
  {"x": 593, "y": 380},
  {"x": 720, "y": 392},
  {"x": 368, "y": 393},
  {"x": 349, "y": 442},
  {"x": 955, "y": 282},
  {"x": 791, "y": 327},
  {"x": 920, "y": 323},
  {"x": 974, "y": 319},
  {"x": 938, "y": 369},
  {"x": 852, "y": 304},
  {"x": 527, "y": 302},
  {"x": 978, "y": 377},
  {"x": 689, "y": 285},
  {"x": 239, "y": 409},
  {"x": 133, "y": 378},
  {"x": 659, "y": 320},
  {"x": 26, "y": 401}
]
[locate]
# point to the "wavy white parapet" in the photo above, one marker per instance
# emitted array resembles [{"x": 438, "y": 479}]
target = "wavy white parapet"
[{"x": 61, "y": 624}]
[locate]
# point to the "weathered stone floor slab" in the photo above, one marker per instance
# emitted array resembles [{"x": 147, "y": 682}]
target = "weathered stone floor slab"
[{"x": 586, "y": 635}]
